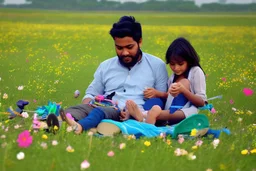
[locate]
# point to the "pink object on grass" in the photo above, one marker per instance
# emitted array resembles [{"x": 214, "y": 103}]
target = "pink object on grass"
[
  {"x": 24, "y": 139},
  {"x": 248, "y": 91}
]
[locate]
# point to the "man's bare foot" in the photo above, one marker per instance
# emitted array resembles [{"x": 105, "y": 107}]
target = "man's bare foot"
[
  {"x": 78, "y": 129},
  {"x": 134, "y": 110}
]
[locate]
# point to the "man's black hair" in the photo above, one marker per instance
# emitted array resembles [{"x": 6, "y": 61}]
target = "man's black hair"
[{"x": 127, "y": 26}]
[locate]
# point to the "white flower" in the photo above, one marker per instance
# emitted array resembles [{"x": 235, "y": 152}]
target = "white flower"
[
  {"x": 20, "y": 156},
  {"x": 215, "y": 143},
  {"x": 122, "y": 146},
  {"x": 43, "y": 145},
  {"x": 20, "y": 87},
  {"x": 3, "y": 136},
  {"x": 5, "y": 96},
  {"x": 54, "y": 142},
  {"x": 0, "y": 104},
  {"x": 239, "y": 119},
  {"x": 69, "y": 129},
  {"x": 17, "y": 126},
  {"x": 234, "y": 109},
  {"x": 85, "y": 164},
  {"x": 0, "y": 78},
  {"x": 24, "y": 114}
]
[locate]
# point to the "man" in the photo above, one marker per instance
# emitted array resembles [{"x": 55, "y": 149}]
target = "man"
[{"x": 125, "y": 77}]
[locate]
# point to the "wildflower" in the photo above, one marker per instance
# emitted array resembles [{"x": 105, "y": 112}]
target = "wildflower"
[
  {"x": 5, "y": 96},
  {"x": 244, "y": 152},
  {"x": 193, "y": 132},
  {"x": 213, "y": 111},
  {"x": 20, "y": 156},
  {"x": 69, "y": 129},
  {"x": 122, "y": 146},
  {"x": 147, "y": 143},
  {"x": 131, "y": 137},
  {"x": 85, "y": 164},
  {"x": 194, "y": 147},
  {"x": 20, "y": 87},
  {"x": 45, "y": 137},
  {"x": 24, "y": 139},
  {"x": 199, "y": 143},
  {"x": 54, "y": 142},
  {"x": 3, "y": 136},
  {"x": 231, "y": 101},
  {"x": 43, "y": 145},
  {"x": 191, "y": 156},
  {"x": 70, "y": 149},
  {"x": 180, "y": 152},
  {"x": 17, "y": 126},
  {"x": 0, "y": 104},
  {"x": 55, "y": 128},
  {"x": 224, "y": 79},
  {"x": 0, "y": 78},
  {"x": 111, "y": 153},
  {"x": 7, "y": 121},
  {"x": 234, "y": 109},
  {"x": 208, "y": 169},
  {"x": 248, "y": 91},
  {"x": 253, "y": 151},
  {"x": 162, "y": 135},
  {"x": 215, "y": 143},
  {"x": 168, "y": 142},
  {"x": 239, "y": 119},
  {"x": 249, "y": 112},
  {"x": 180, "y": 139},
  {"x": 24, "y": 114},
  {"x": 4, "y": 144}
]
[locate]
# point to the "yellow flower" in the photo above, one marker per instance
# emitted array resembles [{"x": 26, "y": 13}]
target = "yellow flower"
[
  {"x": 244, "y": 152},
  {"x": 193, "y": 132},
  {"x": 147, "y": 143},
  {"x": 55, "y": 128},
  {"x": 194, "y": 147},
  {"x": 249, "y": 112},
  {"x": 169, "y": 142},
  {"x": 7, "y": 121},
  {"x": 44, "y": 136},
  {"x": 253, "y": 151}
]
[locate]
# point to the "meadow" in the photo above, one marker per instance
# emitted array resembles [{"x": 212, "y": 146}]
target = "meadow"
[{"x": 47, "y": 55}]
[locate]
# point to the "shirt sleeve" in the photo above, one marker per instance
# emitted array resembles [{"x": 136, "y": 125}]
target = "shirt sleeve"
[
  {"x": 161, "y": 78},
  {"x": 199, "y": 83},
  {"x": 96, "y": 87}
]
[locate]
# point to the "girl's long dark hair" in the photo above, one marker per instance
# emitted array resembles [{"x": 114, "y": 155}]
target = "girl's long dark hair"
[{"x": 181, "y": 49}]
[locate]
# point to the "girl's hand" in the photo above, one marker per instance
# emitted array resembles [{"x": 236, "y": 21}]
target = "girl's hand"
[
  {"x": 176, "y": 88},
  {"x": 150, "y": 93}
]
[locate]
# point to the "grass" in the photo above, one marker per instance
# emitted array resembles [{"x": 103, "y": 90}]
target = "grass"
[{"x": 54, "y": 53}]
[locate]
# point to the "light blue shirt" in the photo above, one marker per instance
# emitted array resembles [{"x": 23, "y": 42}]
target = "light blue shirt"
[{"x": 127, "y": 84}]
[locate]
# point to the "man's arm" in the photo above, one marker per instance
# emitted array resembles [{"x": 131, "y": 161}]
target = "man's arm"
[{"x": 95, "y": 88}]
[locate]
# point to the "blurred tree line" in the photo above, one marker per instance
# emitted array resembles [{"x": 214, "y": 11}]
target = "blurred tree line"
[{"x": 151, "y": 5}]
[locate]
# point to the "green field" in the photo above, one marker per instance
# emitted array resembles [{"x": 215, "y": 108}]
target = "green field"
[{"x": 54, "y": 53}]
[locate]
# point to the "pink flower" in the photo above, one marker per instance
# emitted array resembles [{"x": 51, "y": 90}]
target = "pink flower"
[
  {"x": 231, "y": 101},
  {"x": 111, "y": 153},
  {"x": 24, "y": 139},
  {"x": 181, "y": 139},
  {"x": 248, "y": 91},
  {"x": 85, "y": 164},
  {"x": 224, "y": 79},
  {"x": 199, "y": 143},
  {"x": 213, "y": 110}
]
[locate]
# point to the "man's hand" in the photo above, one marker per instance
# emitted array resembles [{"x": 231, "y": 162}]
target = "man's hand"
[
  {"x": 86, "y": 101},
  {"x": 150, "y": 93}
]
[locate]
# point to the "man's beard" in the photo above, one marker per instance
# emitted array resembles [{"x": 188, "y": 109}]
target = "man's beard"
[{"x": 134, "y": 59}]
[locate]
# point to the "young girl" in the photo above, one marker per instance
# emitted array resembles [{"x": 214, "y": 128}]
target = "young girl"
[{"x": 187, "y": 87}]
